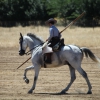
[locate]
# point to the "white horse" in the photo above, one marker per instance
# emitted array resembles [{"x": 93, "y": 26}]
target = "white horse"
[{"x": 70, "y": 55}]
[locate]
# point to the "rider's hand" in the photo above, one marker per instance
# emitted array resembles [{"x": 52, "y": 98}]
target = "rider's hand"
[{"x": 46, "y": 39}]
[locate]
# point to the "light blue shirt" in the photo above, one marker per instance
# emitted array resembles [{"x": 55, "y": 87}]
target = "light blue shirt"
[{"x": 53, "y": 31}]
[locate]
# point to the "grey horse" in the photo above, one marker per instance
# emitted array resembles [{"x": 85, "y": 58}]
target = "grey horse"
[{"x": 70, "y": 55}]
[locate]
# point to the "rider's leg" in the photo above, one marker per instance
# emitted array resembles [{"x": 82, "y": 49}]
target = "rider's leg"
[{"x": 48, "y": 58}]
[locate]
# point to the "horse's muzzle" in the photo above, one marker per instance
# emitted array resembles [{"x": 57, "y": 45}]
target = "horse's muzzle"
[{"x": 21, "y": 52}]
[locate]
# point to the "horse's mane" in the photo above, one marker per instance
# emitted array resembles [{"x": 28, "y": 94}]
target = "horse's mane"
[{"x": 34, "y": 36}]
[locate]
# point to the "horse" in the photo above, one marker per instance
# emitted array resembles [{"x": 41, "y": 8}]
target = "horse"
[{"x": 70, "y": 55}]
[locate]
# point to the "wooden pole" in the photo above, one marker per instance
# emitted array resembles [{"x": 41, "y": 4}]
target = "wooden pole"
[
  {"x": 73, "y": 21},
  {"x": 23, "y": 63},
  {"x": 60, "y": 32}
]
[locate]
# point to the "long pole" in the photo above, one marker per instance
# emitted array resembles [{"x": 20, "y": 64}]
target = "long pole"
[
  {"x": 60, "y": 32},
  {"x": 73, "y": 21},
  {"x": 23, "y": 63}
]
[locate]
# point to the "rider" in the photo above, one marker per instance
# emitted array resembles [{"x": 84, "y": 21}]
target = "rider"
[
  {"x": 54, "y": 37},
  {"x": 53, "y": 31}
]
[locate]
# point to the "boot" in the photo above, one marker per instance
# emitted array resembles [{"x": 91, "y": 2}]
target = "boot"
[{"x": 48, "y": 58}]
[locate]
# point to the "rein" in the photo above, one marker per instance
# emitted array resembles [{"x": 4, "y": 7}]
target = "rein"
[{"x": 27, "y": 53}]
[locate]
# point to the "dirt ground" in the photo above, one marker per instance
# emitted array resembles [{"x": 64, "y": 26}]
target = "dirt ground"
[{"x": 50, "y": 81}]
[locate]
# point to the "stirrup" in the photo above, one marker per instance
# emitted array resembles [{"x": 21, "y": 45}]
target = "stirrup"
[{"x": 48, "y": 61}]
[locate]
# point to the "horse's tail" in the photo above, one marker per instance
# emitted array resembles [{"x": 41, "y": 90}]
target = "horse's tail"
[{"x": 89, "y": 53}]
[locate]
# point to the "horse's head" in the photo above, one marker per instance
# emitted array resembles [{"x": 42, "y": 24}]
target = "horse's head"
[
  {"x": 23, "y": 45},
  {"x": 30, "y": 40}
]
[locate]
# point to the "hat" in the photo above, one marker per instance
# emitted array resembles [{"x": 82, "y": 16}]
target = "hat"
[{"x": 51, "y": 20}]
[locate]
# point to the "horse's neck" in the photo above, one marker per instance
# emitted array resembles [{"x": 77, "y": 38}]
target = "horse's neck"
[
  {"x": 33, "y": 43},
  {"x": 37, "y": 42}
]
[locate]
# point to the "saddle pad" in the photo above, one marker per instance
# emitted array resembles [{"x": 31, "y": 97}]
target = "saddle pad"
[{"x": 46, "y": 49}]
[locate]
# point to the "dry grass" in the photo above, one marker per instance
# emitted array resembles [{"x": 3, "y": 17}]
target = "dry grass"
[{"x": 89, "y": 37}]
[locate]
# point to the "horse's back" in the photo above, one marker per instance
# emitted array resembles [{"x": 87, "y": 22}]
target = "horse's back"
[
  {"x": 71, "y": 48},
  {"x": 69, "y": 52}
]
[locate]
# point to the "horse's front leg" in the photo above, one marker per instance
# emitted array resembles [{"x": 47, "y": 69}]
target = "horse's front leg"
[
  {"x": 36, "y": 69},
  {"x": 25, "y": 72}
]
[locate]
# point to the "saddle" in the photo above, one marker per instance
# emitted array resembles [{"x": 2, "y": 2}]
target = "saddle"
[
  {"x": 58, "y": 46},
  {"x": 48, "y": 51}
]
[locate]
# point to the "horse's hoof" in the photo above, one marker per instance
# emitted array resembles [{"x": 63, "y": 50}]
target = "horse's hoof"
[
  {"x": 27, "y": 81},
  {"x": 63, "y": 92},
  {"x": 89, "y": 92},
  {"x": 30, "y": 92}
]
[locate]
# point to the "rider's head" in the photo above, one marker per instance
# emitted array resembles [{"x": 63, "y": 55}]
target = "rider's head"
[{"x": 51, "y": 22}]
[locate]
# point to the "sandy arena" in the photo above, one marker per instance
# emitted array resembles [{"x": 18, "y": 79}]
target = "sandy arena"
[{"x": 50, "y": 81}]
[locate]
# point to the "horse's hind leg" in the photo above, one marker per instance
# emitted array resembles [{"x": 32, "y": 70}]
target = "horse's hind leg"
[
  {"x": 73, "y": 77},
  {"x": 25, "y": 72},
  {"x": 84, "y": 74}
]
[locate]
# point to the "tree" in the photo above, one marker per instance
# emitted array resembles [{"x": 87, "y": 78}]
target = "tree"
[
  {"x": 66, "y": 9},
  {"x": 92, "y": 8},
  {"x": 33, "y": 10}
]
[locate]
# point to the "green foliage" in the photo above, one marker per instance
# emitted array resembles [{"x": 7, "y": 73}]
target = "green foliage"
[
  {"x": 21, "y": 10},
  {"x": 32, "y": 10}
]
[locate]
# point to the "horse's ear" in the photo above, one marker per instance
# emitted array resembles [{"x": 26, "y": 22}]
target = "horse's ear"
[{"x": 21, "y": 35}]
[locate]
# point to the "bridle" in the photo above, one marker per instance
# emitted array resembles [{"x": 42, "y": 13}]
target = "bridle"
[{"x": 22, "y": 52}]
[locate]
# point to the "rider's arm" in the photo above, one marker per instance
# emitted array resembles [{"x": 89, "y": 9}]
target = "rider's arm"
[{"x": 51, "y": 34}]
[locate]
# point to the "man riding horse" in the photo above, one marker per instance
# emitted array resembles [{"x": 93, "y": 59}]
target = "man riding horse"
[{"x": 54, "y": 37}]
